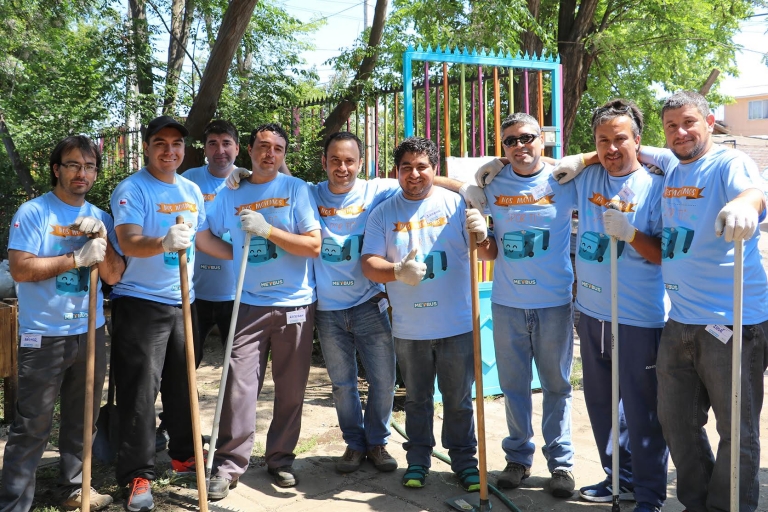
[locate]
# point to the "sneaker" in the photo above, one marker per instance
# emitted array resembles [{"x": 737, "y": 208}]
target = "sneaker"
[
  {"x": 161, "y": 439},
  {"x": 140, "y": 498},
  {"x": 512, "y": 475},
  {"x": 415, "y": 476},
  {"x": 381, "y": 459},
  {"x": 219, "y": 487},
  {"x": 562, "y": 483},
  {"x": 283, "y": 476},
  {"x": 98, "y": 501},
  {"x": 603, "y": 492},
  {"x": 188, "y": 466},
  {"x": 350, "y": 461},
  {"x": 469, "y": 479},
  {"x": 647, "y": 507}
]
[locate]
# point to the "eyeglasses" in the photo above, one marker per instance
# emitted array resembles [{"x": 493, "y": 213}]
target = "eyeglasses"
[
  {"x": 75, "y": 167},
  {"x": 526, "y": 138}
]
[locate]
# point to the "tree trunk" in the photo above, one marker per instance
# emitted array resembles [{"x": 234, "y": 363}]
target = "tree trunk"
[
  {"x": 21, "y": 169},
  {"x": 233, "y": 26},
  {"x": 181, "y": 20},
  {"x": 342, "y": 111},
  {"x": 575, "y": 22},
  {"x": 141, "y": 52}
]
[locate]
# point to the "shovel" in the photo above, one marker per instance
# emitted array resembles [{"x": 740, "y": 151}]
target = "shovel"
[
  {"x": 615, "y": 373},
  {"x": 90, "y": 366},
  {"x": 738, "y": 303},
  {"x": 107, "y": 441},
  {"x": 476, "y": 501},
  {"x": 202, "y": 490},
  {"x": 227, "y": 356}
]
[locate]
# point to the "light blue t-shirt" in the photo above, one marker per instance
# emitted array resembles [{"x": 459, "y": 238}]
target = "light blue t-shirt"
[
  {"x": 338, "y": 272},
  {"x": 641, "y": 289},
  {"x": 532, "y": 228},
  {"x": 440, "y": 305},
  {"x": 696, "y": 264},
  {"x": 273, "y": 277},
  {"x": 144, "y": 200},
  {"x": 214, "y": 278},
  {"x": 57, "y": 306}
]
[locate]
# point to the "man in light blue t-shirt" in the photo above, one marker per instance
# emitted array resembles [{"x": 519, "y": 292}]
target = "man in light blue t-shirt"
[
  {"x": 711, "y": 198},
  {"x": 620, "y": 198},
  {"x": 531, "y": 300},
  {"x": 351, "y": 315},
  {"x": 425, "y": 265},
  {"x": 276, "y": 315},
  {"x": 54, "y": 240},
  {"x": 148, "y": 343},
  {"x": 214, "y": 278}
]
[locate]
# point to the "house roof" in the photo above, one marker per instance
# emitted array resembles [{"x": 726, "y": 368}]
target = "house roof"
[{"x": 755, "y": 147}]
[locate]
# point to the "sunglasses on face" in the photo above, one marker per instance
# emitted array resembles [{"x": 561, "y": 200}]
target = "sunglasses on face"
[{"x": 523, "y": 139}]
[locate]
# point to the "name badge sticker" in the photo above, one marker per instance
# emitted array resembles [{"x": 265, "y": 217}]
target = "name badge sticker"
[
  {"x": 626, "y": 194},
  {"x": 432, "y": 216},
  {"x": 720, "y": 332},
  {"x": 296, "y": 317},
  {"x": 383, "y": 305},
  {"x": 541, "y": 190},
  {"x": 31, "y": 340}
]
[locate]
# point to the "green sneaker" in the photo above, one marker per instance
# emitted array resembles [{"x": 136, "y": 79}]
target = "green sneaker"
[{"x": 415, "y": 476}]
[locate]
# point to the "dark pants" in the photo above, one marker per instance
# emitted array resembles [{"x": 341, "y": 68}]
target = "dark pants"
[
  {"x": 694, "y": 371},
  {"x": 210, "y": 313},
  {"x": 262, "y": 330},
  {"x": 149, "y": 356},
  {"x": 56, "y": 368},
  {"x": 643, "y": 454}
]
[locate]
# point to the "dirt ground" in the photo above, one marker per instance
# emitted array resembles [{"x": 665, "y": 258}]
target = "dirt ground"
[{"x": 321, "y": 486}]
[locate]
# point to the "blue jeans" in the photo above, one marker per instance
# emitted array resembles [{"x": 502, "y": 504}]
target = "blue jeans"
[
  {"x": 694, "y": 373},
  {"x": 546, "y": 336},
  {"x": 365, "y": 330},
  {"x": 452, "y": 360}
]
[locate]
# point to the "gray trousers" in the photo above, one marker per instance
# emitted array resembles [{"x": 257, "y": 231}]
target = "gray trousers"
[
  {"x": 261, "y": 329},
  {"x": 58, "y": 367}
]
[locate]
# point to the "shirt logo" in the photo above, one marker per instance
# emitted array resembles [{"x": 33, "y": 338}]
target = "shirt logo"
[
  {"x": 64, "y": 231},
  {"x": 503, "y": 200},
  {"x": 591, "y": 286},
  {"x": 686, "y": 192},
  {"x": 420, "y": 224},
  {"x": 209, "y": 197},
  {"x": 526, "y": 282},
  {"x": 342, "y": 283},
  {"x": 276, "y": 202},
  {"x": 16, "y": 224},
  {"x": 430, "y": 304},
  {"x": 601, "y": 200},
  {"x": 349, "y": 211},
  {"x": 267, "y": 284},
  {"x": 176, "y": 207},
  {"x": 122, "y": 202}
]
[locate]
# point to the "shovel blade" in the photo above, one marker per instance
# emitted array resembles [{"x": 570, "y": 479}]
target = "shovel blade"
[{"x": 469, "y": 503}]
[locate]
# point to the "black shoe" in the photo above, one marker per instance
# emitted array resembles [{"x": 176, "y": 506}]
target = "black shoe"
[
  {"x": 219, "y": 487},
  {"x": 161, "y": 439},
  {"x": 283, "y": 476}
]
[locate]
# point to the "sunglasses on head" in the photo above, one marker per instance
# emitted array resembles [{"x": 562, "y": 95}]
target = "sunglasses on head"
[{"x": 523, "y": 139}]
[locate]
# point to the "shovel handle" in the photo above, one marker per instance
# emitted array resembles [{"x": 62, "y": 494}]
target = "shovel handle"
[
  {"x": 90, "y": 367},
  {"x": 189, "y": 346}
]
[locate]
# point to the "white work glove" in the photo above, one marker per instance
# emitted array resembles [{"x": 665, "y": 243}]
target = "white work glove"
[
  {"x": 90, "y": 226},
  {"x": 255, "y": 223},
  {"x": 568, "y": 168},
  {"x": 233, "y": 180},
  {"x": 91, "y": 253},
  {"x": 473, "y": 196},
  {"x": 178, "y": 238},
  {"x": 738, "y": 220},
  {"x": 617, "y": 225},
  {"x": 410, "y": 271},
  {"x": 476, "y": 224},
  {"x": 487, "y": 172}
]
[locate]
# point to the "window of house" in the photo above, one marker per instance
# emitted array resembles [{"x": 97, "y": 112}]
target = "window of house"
[{"x": 758, "y": 109}]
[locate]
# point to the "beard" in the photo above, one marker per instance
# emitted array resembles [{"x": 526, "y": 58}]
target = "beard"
[{"x": 693, "y": 154}]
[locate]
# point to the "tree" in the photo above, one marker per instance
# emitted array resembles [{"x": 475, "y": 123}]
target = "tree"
[{"x": 607, "y": 48}]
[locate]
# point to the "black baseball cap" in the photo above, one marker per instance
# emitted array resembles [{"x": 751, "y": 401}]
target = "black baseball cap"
[{"x": 161, "y": 122}]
